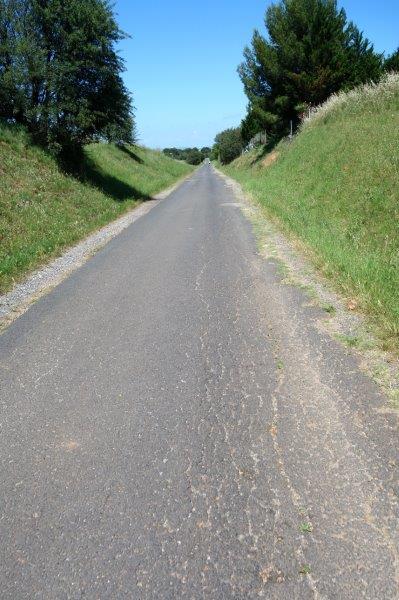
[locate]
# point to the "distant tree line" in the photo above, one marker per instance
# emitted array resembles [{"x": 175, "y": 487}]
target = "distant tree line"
[
  {"x": 60, "y": 75},
  {"x": 310, "y": 51},
  {"x": 193, "y": 156}
]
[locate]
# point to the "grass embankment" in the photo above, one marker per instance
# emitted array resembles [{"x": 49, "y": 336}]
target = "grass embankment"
[
  {"x": 335, "y": 187},
  {"x": 43, "y": 210}
]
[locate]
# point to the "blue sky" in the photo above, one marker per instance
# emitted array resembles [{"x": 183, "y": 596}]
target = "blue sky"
[{"x": 182, "y": 59}]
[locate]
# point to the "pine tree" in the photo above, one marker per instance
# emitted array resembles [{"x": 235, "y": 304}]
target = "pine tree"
[
  {"x": 363, "y": 64},
  {"x": 392, "y": 62},
  {"x": 310, "y": 52}
]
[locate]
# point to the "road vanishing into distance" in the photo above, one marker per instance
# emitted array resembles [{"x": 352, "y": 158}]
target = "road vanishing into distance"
[{"x": 174, "y": 424}]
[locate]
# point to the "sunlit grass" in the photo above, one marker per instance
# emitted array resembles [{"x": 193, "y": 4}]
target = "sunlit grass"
[
  {"x": 43, "y": 210},
  {"x": 336, "y": 187}
]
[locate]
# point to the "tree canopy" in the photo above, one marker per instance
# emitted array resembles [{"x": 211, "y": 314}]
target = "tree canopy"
[
  {"x": 60, "y": 74},
  {"x": 392, "y": 62},
  {"x": 228, "y": 145},
  {"x": 310, "y": 51}
]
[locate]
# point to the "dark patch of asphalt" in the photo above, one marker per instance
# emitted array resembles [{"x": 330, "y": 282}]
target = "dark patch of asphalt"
[{"x": 174, "y": 425}]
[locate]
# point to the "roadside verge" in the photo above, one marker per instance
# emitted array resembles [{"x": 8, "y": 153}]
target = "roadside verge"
[
  {"x": 41, "y": 281},
  {"x": 342, "y": 321}
]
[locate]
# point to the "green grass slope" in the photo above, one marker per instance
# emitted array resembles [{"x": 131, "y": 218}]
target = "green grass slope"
[
  {"x": 336, "y": 188},
  {"x": 43, "y": 210}
]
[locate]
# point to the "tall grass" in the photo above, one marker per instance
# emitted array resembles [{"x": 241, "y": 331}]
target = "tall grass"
[
  {"x": 43, "y": 210},
  {"x": 336, "y": 188},
  {"x": 370, "y": 97}
]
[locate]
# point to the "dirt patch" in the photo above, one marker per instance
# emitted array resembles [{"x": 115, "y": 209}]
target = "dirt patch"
[
  {"x": 270, "y": 158},
  {"x": 70, "y": 445}
]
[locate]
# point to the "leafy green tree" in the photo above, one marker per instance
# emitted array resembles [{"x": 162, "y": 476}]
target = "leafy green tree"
[
  {"x": 228, "y": 144},
  {"x": 12, "y": 97},
  {"x": 206, "y": 152},
  {"x": 392, "y": 62},
  {"x": 310, "y": 52},
  {"x": 60, "y": 73},
  {"x": 193, "y": 156},
  {"x": 215, "y": 152}
]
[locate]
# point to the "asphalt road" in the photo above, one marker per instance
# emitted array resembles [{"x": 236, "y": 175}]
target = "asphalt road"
[{"x": 175, "y": 425}]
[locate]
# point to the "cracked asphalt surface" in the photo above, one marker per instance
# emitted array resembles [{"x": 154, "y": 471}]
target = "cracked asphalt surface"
[{"x": 174, "y": 424}]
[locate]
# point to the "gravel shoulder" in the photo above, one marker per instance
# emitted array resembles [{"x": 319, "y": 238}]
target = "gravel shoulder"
[{"x": 41, "y": 281}]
